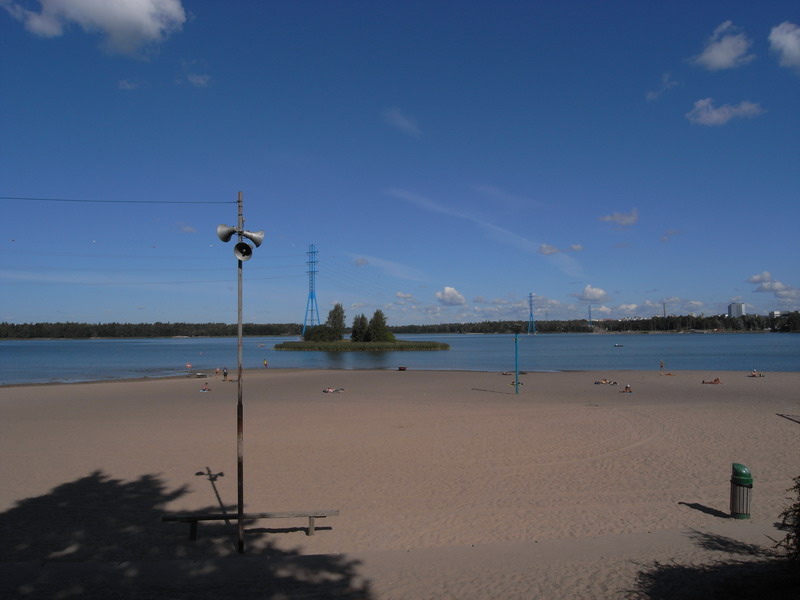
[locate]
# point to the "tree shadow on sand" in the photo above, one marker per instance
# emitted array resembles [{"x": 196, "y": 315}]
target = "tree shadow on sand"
[
  {"x": 759, "y": 573},
  {"x": 99, "y": 537}
]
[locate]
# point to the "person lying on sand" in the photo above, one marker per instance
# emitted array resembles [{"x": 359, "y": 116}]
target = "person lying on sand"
[
  {"x": 716, "y": 380},
  {"x": 332, "y": 391}
]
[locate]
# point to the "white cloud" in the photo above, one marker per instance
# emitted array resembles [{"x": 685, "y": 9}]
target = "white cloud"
[
  {"x": 403, "y": 296},
  {"x": 397, "y": 119},
  {"x": 575, "y": 248},
  {"x": 361, "y": 261},
  {"x": 761, "y": 277},
  {"x": 450, "y": 296},
  {"x": 725, "y": 49},
  {"x": 126, "y": 84},
  {"x": 784, "y": 40},
  {"x": 126, "y": 26},
  {"x": 704, "y": 112},
  {"x": 592, "y": 294},
  {"x": 667, "y": 83},
  {"x": 628, "y": 308},
  {"x": 622, "y": 219}
]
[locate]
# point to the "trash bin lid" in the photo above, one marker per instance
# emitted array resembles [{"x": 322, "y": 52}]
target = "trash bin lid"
[{"x": 741, "y": 475}]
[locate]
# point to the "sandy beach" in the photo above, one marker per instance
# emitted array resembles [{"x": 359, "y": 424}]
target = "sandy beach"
[{"x": 448, "y": 485}]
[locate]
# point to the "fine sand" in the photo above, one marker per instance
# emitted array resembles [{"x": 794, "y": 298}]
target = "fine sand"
[{"x": 449, "y": 485}]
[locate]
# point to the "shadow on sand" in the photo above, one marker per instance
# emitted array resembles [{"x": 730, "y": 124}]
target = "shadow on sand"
[
  {"x": 99, "y": 537},
  {"x": 759, "y": 573}
]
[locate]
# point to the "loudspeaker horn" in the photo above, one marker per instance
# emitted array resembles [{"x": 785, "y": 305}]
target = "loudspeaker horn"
[
  {"x": 257, "y": 237},
  {"x": 225, "y": 232},
  {"x": 243, "y": 251}
]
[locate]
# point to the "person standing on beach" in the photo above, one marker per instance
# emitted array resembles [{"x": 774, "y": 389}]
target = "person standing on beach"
[
  {"x": 225, "y": 374},
  {"x": 265, "y": 363}
]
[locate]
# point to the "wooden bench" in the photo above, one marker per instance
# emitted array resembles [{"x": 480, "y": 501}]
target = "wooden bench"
[{"x": 194, "y": 519}]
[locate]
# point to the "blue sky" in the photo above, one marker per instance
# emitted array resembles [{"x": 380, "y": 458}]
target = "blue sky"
[{"x": 447, "y": 159}]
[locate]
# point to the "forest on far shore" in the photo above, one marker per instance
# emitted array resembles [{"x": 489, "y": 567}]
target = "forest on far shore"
[{"x": 788, "y": 322}]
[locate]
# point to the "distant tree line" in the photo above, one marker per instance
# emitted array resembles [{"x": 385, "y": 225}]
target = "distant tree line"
[
  {"x": 376, "y": 329},
  {"x": 784, "y": 323},
  {"x": 141, "y": 330}
]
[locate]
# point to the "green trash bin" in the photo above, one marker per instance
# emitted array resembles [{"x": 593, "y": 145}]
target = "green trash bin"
[{"x": 741, "y": 491}]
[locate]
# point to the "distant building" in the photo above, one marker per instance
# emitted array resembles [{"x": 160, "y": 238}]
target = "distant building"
[
  {"x": 775, "y": 314},
  {"x": 736, "y": 309}
]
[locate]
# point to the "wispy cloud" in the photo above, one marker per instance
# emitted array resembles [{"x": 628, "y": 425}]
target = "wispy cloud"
[
  {"x": 127, "y": 85},
  {"x": 199, "y": 80},
  {"x": 127, "y": 28},
  {"x": 392, "y": 268},
  {"x": 494, "y": 232},
  {"x": 547, "y": 249},
  {"x": 194, "y": 73},
  {"x": 667, "y": 83},
  {"x": 669, "y": 234},
  {"x": 622, "y": 219},
  {"x": 498, "y": 195},
  {"x": 705, "y": 113},
  {"x": 726, "y": 48},
  {"x": 784, "y": 40},
  {"x": 399, "y": 120}
]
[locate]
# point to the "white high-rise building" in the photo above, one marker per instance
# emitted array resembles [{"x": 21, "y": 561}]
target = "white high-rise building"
[{"x": 736, "y": 309}]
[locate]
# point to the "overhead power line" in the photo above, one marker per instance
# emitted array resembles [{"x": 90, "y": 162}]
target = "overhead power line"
[{"x": 117, "y": 201}]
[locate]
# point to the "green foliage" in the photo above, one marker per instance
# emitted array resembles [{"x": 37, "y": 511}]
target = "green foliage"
[
  {"x": 359, "y": 330},
  {"x": 377, "y": 330},
  {"x": 346, "y": 346},
  {"x": 321, "y": 333},
  {"x": 336, "y": 321},
  {"x": 790, "y": 518}
]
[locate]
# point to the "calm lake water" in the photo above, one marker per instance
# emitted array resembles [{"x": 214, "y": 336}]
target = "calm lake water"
[{"x": 38, "y": 361}]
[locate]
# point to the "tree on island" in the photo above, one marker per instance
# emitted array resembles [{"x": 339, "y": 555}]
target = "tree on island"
[
  {"x": 336, "y": 321},
  {"x": 378, "y": 331},
  {"x": 359, "y": 330},
  {"x": 374, "y": 330},
  {"x": 331, "y": 331}
]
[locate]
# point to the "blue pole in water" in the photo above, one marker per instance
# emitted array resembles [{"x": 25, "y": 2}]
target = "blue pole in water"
[{"x": 516, "y": 363}]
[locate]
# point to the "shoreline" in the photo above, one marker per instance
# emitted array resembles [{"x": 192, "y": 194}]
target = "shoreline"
[{"x": 257, "y": 372}]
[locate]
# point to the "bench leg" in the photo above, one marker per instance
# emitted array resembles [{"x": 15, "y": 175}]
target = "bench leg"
[
  {"x": 310, "y": 525},
  {"x": 193, "y": 530}
]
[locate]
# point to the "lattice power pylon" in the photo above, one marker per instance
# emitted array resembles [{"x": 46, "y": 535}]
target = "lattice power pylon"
[
  {"x": 531, "y": 322},
  {"x": 312, "y": 310}
]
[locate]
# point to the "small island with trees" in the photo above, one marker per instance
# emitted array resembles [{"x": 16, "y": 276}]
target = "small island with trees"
[{"x": 365, "y": 335}]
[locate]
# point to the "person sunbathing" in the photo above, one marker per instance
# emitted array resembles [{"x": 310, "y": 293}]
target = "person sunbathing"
[{"x": 716, "y": 380}]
